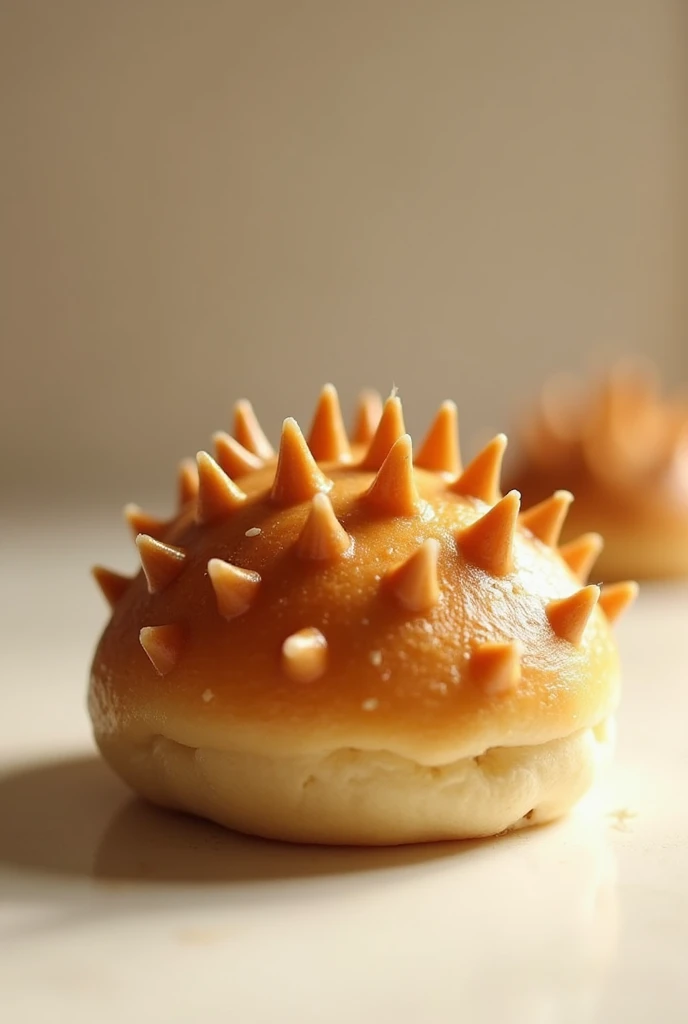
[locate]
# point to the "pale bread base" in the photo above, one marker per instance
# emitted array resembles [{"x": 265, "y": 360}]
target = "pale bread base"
[{"x": 357, "y": 797}]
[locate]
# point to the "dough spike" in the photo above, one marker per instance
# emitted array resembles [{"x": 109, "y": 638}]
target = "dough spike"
[
  {"x": 112, "y": 584},
  {"x": 304, "y": 655},
  {"x": 546, "y": 519},
  {"x": 141, "y": 522},
  {"x": 393, "y": 491},
  {"x": 235, "y": 589},
  {"x": 218, "y": 496},
  {"x": 496, "y": 667},
  {"x": 327, "y": 439},
  {"x": 581, "y": 554},
  {"x": 678, "y": 446},
  {"x": 481, "y": 478},
  {"x": 616, "y": 597},
  {"x": 414, "y": 583},
  {"x": 161, "y": 563},
  {"x": 569, "y": 616},
  {"x": 439, "y": 451},
  {"x": 163, "y": 645},
  {"x": 368, "y": 415},
  {"x": 390, "y": 429},
  {"x": 249, "y": 432},
  {"x": 233, "y": 457},
  {"x": 489, "y": 542},
  {"x": 297, "y": 477},
  {"x": 323, "y": 537}
]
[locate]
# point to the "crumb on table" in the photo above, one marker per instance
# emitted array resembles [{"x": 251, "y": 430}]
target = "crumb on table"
[{"x": 621, "y": 817}]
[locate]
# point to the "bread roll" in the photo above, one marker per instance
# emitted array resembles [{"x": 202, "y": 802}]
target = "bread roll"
[
  {"x": 346, "y": 644},
  {"x": 623, "y": 451}
]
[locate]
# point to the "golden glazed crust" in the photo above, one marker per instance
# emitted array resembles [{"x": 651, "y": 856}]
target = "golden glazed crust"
[
  {"x": 361, "y": 603},
  {"x": 414, "y": 666}
]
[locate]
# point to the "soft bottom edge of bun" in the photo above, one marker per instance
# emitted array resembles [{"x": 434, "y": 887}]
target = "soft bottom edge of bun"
[{"x": 365, "y": 798}]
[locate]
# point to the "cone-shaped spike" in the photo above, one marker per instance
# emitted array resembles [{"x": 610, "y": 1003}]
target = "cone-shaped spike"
[
  {"x": 249, "y": 432},
  {"x": 393, "y": 492},
  {"x": 187, "y": 487},
  {"x": 140, "y": 522},
  {"x": 415, "y": 584},
  {"x": 546, "y": 519},
  {"x": 581, "y": 554},
  {"x": 390, "y": 429},
  {"x": 304, "y": 655},
  {"x": 161, "y": 563},
  {"x": 440, "y": 449},
  {"x": 112, "y": 584},
  {"x": 297, "y": 477},
  {"x": 489, "y": 542},
  {"x": 368, "y": 416},
  {"x": 481, "y": 477},
  {"x": 235, "y": 589},
  {"x": 569, "y": 616},
  {"x": 163, "y": 645},
  {"x": 323, "y": 537},
  {"x": 218, "y": 496},
  {"x": 233, "y": 457},
  {"x": 496, "y": 667},
  {"x": 678, "y": 446},
  {"x": 616, "y": 597},
  {"x": 327, "y": 440},
  {"x": 680, "y": 442}
]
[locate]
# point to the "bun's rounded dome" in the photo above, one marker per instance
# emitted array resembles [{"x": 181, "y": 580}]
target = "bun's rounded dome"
[{"x": 344, "y": 644}]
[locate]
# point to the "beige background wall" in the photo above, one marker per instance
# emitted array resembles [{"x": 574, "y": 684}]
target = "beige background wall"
[{"x": 201, "y": 200}]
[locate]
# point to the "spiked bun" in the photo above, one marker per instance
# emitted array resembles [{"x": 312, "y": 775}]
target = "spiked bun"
[
  {"x": 342, "y": 646},
  {"x": 623, "y": 451}
]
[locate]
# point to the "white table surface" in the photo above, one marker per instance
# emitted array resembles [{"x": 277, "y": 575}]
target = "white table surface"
[{"x": 111, "y": 911}]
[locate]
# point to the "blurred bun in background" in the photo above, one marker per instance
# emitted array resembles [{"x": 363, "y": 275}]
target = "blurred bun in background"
[{"x": 622, "y": 449}]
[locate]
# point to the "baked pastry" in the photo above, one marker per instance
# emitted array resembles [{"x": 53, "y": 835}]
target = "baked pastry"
[
  {"x": 623, "y": 451},
  {"x": 349, "y": 645}
]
